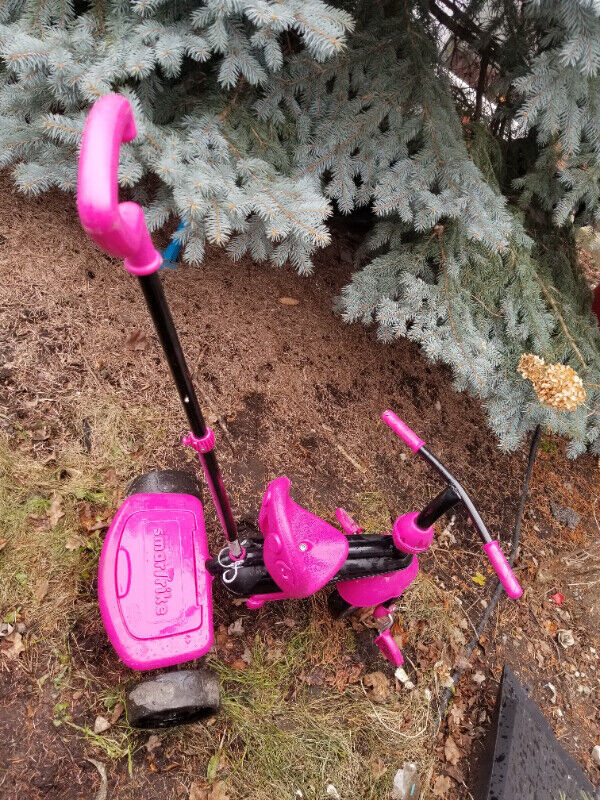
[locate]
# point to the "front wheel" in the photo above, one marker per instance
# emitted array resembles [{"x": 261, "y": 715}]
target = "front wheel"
[
  {"x": 164, "y": 481},
  {"x": 173, "y": 698}
]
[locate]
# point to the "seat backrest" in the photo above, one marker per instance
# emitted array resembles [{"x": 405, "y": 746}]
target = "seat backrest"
[{"x": 302, "y": 552}]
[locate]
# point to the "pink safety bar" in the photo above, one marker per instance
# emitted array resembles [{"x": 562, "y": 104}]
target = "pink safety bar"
[
  {"x": 118, "y": 228},
  {"x": 201, "y": 444},
  {"x": 503, "y": 571},
  {"x": 402, "y": 430},
  {"x": 348, "y": 524}
]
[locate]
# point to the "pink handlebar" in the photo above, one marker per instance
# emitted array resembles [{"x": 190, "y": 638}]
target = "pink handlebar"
[
  {"x": 118, "y": 228},
  {"x": 503, "y": 570},
  {"x": 402, "y": 430},
  {"x": 387, "y": 644}
]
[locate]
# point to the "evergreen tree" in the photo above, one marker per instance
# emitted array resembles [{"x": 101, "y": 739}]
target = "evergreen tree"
[{"x": 470, "y": 129}]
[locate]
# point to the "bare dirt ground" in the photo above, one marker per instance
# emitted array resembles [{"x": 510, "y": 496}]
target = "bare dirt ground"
[{"x": 86, "y": 403}]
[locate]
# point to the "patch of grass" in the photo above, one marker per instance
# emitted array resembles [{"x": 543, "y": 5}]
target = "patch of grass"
[
  {"x": 35, "y": 552},
  {"x": 125, "y": 439},
  {"x": 549, "y": 446},
  {"x": 120, "y": 743},
  {"x": 580, "y": 796},
  {"x": 373, "y": 512},
  {"x": 282, "y": 735},
  {"x": 47, "y": 557}
]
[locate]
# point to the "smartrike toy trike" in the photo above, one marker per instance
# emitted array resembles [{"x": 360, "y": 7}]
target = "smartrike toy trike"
[{"x": 156, "y": 571}]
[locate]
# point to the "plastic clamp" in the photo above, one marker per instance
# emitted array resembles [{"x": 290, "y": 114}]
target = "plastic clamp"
[{"x": 201, "y": 444}]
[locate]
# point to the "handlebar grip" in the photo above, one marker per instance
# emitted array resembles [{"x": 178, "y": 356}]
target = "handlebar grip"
[
  {"x": 389, "y": 649},
  {"x": 402, "y": 430},
  {"x": 118, "y": 228},
  {"x": 503, "y": 570}
]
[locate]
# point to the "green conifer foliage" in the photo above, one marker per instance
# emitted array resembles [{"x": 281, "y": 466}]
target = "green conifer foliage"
[{"x": 259, "y": 117}]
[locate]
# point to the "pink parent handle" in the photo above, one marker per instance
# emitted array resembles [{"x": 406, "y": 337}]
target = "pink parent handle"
[
  {"x": 118, "y": 228},
  {"x": 503, "y": 570},
  {"x": 402, "y": 430}
]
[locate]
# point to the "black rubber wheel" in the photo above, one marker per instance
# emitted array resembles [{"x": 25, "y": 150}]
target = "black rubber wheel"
[
  {"x": 164, "y": 481},
  {"x": 338, "y": 607},
  {"x": 173, "y": 698}
]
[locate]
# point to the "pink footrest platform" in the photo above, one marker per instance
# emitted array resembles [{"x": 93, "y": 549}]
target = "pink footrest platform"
[{"x": 153, "y": 587}]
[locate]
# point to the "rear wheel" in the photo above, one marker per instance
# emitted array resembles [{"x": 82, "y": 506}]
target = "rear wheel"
[
  {"x": 338, "y": 607},
  {"x": 174, "y": 698},
  {"x": 165, "y": 481}
]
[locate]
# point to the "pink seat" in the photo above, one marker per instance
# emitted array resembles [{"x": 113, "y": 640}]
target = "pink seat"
[
  {"x": 302, "y": 552},
  {"x": 153, "y": 586}
]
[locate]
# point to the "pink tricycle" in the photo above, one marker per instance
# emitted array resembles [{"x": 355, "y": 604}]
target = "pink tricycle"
[{"x": 156, "y": 571}]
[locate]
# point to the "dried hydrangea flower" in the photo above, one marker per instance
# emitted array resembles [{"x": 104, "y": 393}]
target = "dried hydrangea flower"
[{"x": 556, "y": 385}]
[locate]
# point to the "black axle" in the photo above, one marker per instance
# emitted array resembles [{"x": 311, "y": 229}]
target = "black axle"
[{"x": 368, "y": 555}]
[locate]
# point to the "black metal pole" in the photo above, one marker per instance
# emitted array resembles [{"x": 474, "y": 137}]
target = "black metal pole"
[
  {"x": 437, "y": 507},
  {"x": 165, "y": 328}
]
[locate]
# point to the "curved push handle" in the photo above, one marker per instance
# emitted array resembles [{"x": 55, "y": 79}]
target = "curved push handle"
[
  {"x": 118, "y": 228},
  {"x": 503, "y": 571},
  {"x": 402, "y": 430}
]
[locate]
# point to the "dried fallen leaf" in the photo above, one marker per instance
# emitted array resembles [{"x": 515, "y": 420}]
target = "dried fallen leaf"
[
  {"x": 451, "y": 751},
  {"x": 111, "y": 478},
  {"x": 442, "y": 786},
  {"x": 153, "y": 744},
  {"x": 74, "y": 543},
  {"x": 16, "y": 640},
  {"x": 289, "y": 301},
  {"x": 200, "y": 791},
  {"x": 101, "y": 724},
  {"x": 552, "y": 688},
  {"x": 443, "y": 674},
  {"x": 88, "y": 518},
  {"x": 378, "y": 767},
  {"x": 217, "y": 791},
  {"x": 479, "y": 677},
  {"x": 236, "y": 628},
  {"x": 41, "y": 434},
  {"x": 566, "y": 638},
  {"x": 136, "y": 340},
  {"x": 117, "y": 712},
  {"x": 103, "y": 790},
  {"x": 41, "y": 590},
  {"x": 55, "y": 511},
  {"x": 3, "y": 543},
  {"x": 478, "y": 578},
  {"x": 6, "y": 629},
  {"x": 379, "y": 685},
  {"x": 457, "y": 713}
]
